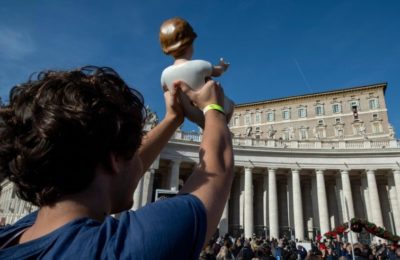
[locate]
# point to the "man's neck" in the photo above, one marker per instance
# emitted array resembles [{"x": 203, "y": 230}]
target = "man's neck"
[{"x": 71, "y": 207}]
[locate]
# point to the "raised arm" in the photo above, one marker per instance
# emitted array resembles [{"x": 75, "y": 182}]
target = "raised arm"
[
  {"x": 155, "y": 140},
  {"x": 211, "y": 181},
  {"x": 219, "y": 69}
]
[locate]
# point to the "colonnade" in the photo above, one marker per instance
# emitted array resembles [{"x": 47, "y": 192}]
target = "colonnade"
[{"x": 318, "y": 200}]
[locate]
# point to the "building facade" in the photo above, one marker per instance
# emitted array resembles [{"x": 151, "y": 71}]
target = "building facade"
[{"x": 303, "y": 165}]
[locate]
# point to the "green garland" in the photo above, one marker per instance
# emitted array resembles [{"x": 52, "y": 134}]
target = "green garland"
[{"x": 357, "y": 224}]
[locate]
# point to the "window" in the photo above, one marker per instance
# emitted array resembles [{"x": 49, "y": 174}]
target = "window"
[
  {"x": 321, "y": 122},
  {"x": 376, "y": 128},
  {"x": 258, "y": 132},
  {"x": 285, "y": 114},
  {"x": 285, "y": 135},
  {"x": 373, "y": 103},
  {"x": 302, "y": 112},
  {"x": 319, "y": 110},
  {"x": 339, "y": 133},
  {"x": 247, "y": 120},
  {"x": 270, "y": 116},
  {"x": 354, "y": 106},
  {"x": 258, "y": 118},
  {"x": 303, "y": 134},
  {"x": 358, "y": 129},
  {"x": 336, "y": 108},
  {"x": 337, "y": 120},
  {"x": 374, "y": 116},
  {"x": 236, "y": 121}
]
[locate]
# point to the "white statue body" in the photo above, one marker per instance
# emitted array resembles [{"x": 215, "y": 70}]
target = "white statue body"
[
  {"x": 194, "y": 73},
  {"x": 176, "y": 39}
]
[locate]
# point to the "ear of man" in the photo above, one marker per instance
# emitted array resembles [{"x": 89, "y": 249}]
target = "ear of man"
[{"x": 114, "y": 163}]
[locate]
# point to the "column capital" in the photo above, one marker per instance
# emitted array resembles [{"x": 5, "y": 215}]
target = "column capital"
[
  {"x": 270, "y": 169},
  {"x": 396, "y": 171},
  {"x": 175, "y": 161},
  {"x": 370, "y": 171},
  {"x": 248, "y": 169},
  {"x": 344, "y": 171},
  {"x": 295, "y": 170},
  {"x": 319, "y": 171}
]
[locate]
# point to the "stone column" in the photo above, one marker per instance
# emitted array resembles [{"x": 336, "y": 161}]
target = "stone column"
[
  {"x": 241, "y": 201},
  {"x": 374, "y": 198},
  {"x": 322, "y": 202},
  {"x": 348, "y": 211},
  {"x": 248, "y": 204},
  {"x": 314, "y": 201},
  {"x": 332, "y": 209},
  {"x": 137, "y": 195},
  {"x": 273, "y": 204},
  {"x": 348, "y": 197},
  {"x": 297, "y": 205},
  {"x": 265, "y": 202},
  {"x": 396, "y": 178},
  {"x": 364, "y": 187},
  {"x": 224, "y": 222},
  {"x": 148, "y": 186},
  {"x": 174, "y": 177},
  {"x": 394, "y": 203},
  {"x": 308, "y": 209}
]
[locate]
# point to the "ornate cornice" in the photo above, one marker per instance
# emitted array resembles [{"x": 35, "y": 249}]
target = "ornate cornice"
[{"x": 250, "y": 105}]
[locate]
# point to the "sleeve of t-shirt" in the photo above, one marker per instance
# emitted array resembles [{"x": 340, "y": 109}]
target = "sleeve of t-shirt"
[{"x": 173, "y": 228}]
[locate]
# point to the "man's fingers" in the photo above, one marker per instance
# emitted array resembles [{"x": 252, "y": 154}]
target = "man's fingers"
[{"x": 182, "y": 86}]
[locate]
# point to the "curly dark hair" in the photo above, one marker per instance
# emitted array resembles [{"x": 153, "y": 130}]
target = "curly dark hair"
[{"x": 59, "y": 127}]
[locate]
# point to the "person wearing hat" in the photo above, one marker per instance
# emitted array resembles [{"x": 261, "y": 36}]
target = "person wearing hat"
[{"x": 176, "y": 39}]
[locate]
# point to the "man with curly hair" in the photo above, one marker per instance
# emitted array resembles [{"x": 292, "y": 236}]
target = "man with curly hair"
[{"x": 73, "y": 144}]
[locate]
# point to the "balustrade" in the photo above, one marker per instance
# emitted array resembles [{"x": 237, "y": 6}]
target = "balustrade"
[{"x": 296, "y": 144}]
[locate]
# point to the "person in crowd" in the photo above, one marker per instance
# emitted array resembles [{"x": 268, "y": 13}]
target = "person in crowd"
[
  {"x": 237, "y": 246},
  {"x": 279, "y": 251},
  {"x": 391, "y": 252},
  {"x": 301, "y": 252},
  {"x": 224, "y": 254},
  {"x": 397, "y": 253},
  {"x": 73, "y": 144},
  {"x": 268, "y": 252},
  {"x": 246, "y": 253}
]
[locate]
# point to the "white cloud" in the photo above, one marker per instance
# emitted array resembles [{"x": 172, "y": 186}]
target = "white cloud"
[{"x": 15, "y": 45}]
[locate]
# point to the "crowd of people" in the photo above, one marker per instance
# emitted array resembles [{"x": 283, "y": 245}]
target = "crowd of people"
[{"x": 260, "y": 248}]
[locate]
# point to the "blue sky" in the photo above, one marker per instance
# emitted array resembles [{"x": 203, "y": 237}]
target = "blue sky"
[{"x": 276, "y": 48}]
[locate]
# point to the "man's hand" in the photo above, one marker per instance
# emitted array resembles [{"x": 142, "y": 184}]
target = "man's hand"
[
  {"x": 173, "y": 107},
  {"x": 210, "y": 93}
]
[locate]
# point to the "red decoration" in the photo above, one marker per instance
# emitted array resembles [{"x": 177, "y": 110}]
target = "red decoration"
[{"x": 357, "y": 225}]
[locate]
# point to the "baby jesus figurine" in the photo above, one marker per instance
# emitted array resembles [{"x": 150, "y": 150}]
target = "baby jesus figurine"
[{"x": 176, "y": 38}]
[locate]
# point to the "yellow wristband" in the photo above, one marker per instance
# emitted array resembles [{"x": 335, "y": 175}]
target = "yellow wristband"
[{"x": 213, "y": 107}]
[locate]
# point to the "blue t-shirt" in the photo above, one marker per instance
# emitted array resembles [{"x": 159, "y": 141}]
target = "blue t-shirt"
[{"x": 168, "y": 229}]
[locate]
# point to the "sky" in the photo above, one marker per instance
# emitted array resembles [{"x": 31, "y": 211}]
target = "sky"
[{"x": 276, "y": 48}]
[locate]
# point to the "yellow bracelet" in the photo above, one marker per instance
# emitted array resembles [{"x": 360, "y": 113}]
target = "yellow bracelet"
[{"x": 213, "y": 107}]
